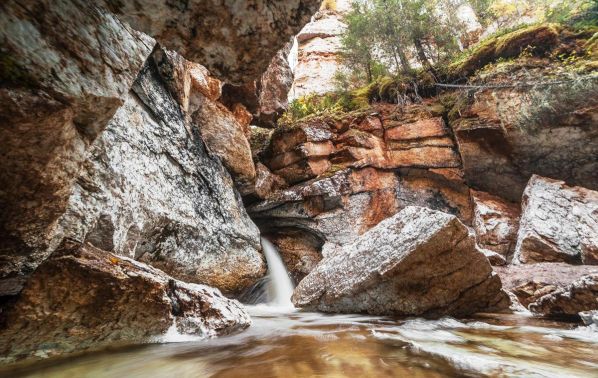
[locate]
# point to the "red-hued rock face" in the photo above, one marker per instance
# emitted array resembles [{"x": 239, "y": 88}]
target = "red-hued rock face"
[
  {"x": 344, "y": 176},
  {"x": 381, "y": 140}
]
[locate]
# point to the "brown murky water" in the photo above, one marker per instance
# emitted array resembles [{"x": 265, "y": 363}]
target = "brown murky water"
[{"x": 316, "y": 345}]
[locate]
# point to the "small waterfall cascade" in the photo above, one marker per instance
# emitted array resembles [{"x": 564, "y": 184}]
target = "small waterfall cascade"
[{"x": 280, "y": 287}]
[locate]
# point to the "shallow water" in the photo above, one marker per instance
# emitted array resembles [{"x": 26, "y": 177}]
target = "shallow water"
[{"x": 280, "y": 344}]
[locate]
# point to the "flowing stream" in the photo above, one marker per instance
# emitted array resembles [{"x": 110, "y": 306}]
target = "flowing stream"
[{"x": 283, "y": 342}]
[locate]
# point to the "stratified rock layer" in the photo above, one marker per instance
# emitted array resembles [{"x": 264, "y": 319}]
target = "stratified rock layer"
[
  {"x": 345, "y": 175},
  {"x": 235, "y": 40},
  {"x": 558, "y": 223},
  {"x": 419, "y": 262},
  {"x": 319, "y": 43},
  {"x": 85, "y": 298}
]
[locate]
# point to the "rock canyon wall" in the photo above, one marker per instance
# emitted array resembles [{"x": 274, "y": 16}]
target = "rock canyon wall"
[
  {"x": 124, "y": 149},
  {"x": 133, "y": 169}
]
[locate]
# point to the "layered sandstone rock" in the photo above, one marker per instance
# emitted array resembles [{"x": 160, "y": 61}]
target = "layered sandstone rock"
[
  {"x": 496, "y": 223},
  {"x": 150, "y": 189},
  {"x": 85, "y": 298},
  {"x": 318, "y": 45},
  {"x": 558, "y": 223},
  {"x": 531, "y": 282},
  {"x": 346, "y": 174},
  {"x": 234, "y": 40},
  {"x": 67, "y": 67},
  {"x": 394, "y": 269},
  {"x": 381, "y": 138},
  {"x": 506, "y": 136}
]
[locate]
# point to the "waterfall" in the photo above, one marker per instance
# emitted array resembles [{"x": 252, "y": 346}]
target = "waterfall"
[{"x": 280, "y": 286}]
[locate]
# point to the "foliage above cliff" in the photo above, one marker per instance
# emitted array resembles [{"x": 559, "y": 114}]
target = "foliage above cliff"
[
  {"x": 431, "y": 34},
  {"x": 563, "y": 50}
]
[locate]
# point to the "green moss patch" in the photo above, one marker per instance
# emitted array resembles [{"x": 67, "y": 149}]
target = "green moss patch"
[{"x": 536, "y": 39}]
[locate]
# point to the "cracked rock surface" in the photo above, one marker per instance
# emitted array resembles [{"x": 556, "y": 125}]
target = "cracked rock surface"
[
  {"x": 418, "y": 262},
  {"x": 60, "y": 85},
  {"x": 151, "y": 191},
  {"x": 558, "y": 223},
  {"x": 235, "y": 40}
]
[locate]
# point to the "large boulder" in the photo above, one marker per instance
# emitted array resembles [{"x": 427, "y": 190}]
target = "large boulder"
[
  {"x": 234, "y": 40},
  {"x": 150, "y": 190},
  {"x": 419, "y": 262},
  {"x": 273, "y": 89},
  {"x": 84, "y": 298},
  {"x": 558, "y": 223},
  {"x": 224, "y": 136},
  {"x": 495, "y": 222},
  {"x": 66, "y": 67}
]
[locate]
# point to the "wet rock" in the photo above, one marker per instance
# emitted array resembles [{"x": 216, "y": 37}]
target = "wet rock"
[
  {"x": 299, "y": 249},
  {"x": 558, "y": 223},
  {"x": 589, "y": 317},
  {"x": 343, "y": 176},
  {"x": 496, "y": 223},
  {"x": 390, "y": 270},
  {"x": 348, "y": 203},
  {"x": 581, "y": 295},
  {"x": 150, "y": 190},
  {"x": 84, "y": 298},
  {"x": 530, "y": 282},
  {"x": 234, "y": 40},
  {"x": 60, "y": 85}
]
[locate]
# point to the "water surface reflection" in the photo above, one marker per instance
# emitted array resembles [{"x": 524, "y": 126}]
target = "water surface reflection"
[{"x": 280, "y": 344}]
